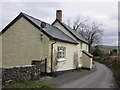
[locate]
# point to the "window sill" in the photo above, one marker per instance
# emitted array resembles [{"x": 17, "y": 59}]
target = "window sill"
[{"x": 61, "y": 59}]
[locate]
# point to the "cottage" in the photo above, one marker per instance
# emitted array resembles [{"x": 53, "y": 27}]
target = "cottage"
[{"x": 26, "y": 39}]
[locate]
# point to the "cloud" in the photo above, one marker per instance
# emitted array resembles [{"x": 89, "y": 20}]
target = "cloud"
[
  {"x": 110, "y": 40},
  {"x": 102, "y": 12},
  {"x": 41, "y": 10}
]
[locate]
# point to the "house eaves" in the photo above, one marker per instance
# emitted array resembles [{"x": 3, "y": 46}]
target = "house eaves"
[{"x": 88, "y": 54}]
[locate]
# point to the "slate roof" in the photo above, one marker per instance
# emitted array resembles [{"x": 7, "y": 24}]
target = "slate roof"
[
  {"x": 73, "y": 32},
  {"x": 51, "y": 31}
]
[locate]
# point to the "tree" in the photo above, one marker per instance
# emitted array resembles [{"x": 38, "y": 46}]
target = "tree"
[
  {"x": 90, "y": 30},
  {"x": 97, "y": 52},
  {"x": 113, "y": 52}
]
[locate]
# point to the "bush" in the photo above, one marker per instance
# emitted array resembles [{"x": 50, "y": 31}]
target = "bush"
[
  {"x": 113, "y": 52},
  {"x": 97, "y": 52},
  {"x": 114, "y": 64},
  {"x": 116, "y": 69}
]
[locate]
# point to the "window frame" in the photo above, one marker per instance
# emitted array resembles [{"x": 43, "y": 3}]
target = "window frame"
[{"x": 61, "y": 52}]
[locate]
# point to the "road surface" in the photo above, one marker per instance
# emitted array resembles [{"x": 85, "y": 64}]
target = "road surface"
[{"x": 102, "y": 78}]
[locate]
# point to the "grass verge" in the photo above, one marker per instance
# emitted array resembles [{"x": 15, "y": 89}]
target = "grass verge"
[
  {"x": 30, "y": 84},
  {"x": 113, "y": 63}
]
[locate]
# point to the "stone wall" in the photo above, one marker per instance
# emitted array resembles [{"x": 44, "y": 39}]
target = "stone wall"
[{"x": 20, "y": 74}]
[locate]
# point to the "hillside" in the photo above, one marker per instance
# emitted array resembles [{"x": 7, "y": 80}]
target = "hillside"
[{"x": 106, "y": 49}]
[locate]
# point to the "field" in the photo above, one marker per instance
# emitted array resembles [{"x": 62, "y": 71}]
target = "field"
[{"x": 106, "y": 49}]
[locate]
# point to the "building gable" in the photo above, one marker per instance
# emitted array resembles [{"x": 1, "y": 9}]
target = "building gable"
[
  {"x": 83, "y": 44},
  {"x": 63, "y": 29},
  {"x": 21, "y": 44},
  {"x": 16, "y": 19},
  {"x": 68, "y": 29},
  {"x": 50, "y": 31}
]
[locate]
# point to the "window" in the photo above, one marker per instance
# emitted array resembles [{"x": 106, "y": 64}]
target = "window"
[{"x": 61, "y": 52}]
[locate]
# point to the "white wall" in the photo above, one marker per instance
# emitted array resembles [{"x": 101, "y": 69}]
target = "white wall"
[
  {"x": 86, "y": 61},
  {"x": 68, "y": 62}
]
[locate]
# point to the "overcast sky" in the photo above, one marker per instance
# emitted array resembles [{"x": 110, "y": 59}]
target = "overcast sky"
[{"x": 103, "y": 12}]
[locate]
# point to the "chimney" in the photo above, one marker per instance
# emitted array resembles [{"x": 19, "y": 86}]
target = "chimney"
[{"x": 59, "y": 15}]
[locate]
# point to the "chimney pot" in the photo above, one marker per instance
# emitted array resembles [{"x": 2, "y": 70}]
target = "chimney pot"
[{"x": 59, "y": 15}]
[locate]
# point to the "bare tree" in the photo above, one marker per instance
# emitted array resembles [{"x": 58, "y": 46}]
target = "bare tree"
[{"x": 90, "y": 30}]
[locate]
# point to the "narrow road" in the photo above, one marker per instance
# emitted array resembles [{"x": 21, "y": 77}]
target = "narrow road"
[{"x": 102, "y": 78}]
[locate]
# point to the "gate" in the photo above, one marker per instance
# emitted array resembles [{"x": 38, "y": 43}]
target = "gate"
[{"x": 42, "y": 65}]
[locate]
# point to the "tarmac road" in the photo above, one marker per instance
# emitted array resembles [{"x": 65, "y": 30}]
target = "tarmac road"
[{"x": 102, "y": 78}]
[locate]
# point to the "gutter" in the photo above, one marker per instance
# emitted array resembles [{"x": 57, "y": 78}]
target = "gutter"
[{"x": 52, "y": 56}]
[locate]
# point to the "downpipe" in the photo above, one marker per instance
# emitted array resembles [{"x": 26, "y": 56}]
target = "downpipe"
[{"x": 52, "y": 57}]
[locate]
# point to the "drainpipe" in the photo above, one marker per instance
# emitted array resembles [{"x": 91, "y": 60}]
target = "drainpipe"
[{"x": 52, "y": 57}]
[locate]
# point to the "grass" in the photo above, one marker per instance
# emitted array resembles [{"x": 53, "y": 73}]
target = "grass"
[{"x": 30, "y": 84}]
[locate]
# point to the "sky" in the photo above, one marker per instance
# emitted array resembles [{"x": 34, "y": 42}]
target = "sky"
[{"x": 105, "y": 13}]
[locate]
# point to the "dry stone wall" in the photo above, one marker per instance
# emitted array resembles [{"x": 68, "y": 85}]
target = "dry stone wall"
[{"x": 20, "y": 74}]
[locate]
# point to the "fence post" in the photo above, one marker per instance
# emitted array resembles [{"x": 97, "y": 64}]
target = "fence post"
[{"x": 45, "y": 65}]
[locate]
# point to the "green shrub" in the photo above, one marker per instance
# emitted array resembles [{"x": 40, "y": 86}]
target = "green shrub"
[
  {"x": 116, "y": 69},
  {"x": 114, "y": 64}
]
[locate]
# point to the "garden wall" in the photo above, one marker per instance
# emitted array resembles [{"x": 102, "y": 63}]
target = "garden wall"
[{"x": 20, "y": 74}]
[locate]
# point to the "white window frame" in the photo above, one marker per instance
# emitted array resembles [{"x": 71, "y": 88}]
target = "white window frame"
[{"x": 61, "y": 53}]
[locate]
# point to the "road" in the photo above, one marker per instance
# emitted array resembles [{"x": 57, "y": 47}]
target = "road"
[{"x": 102, "y": 78}]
